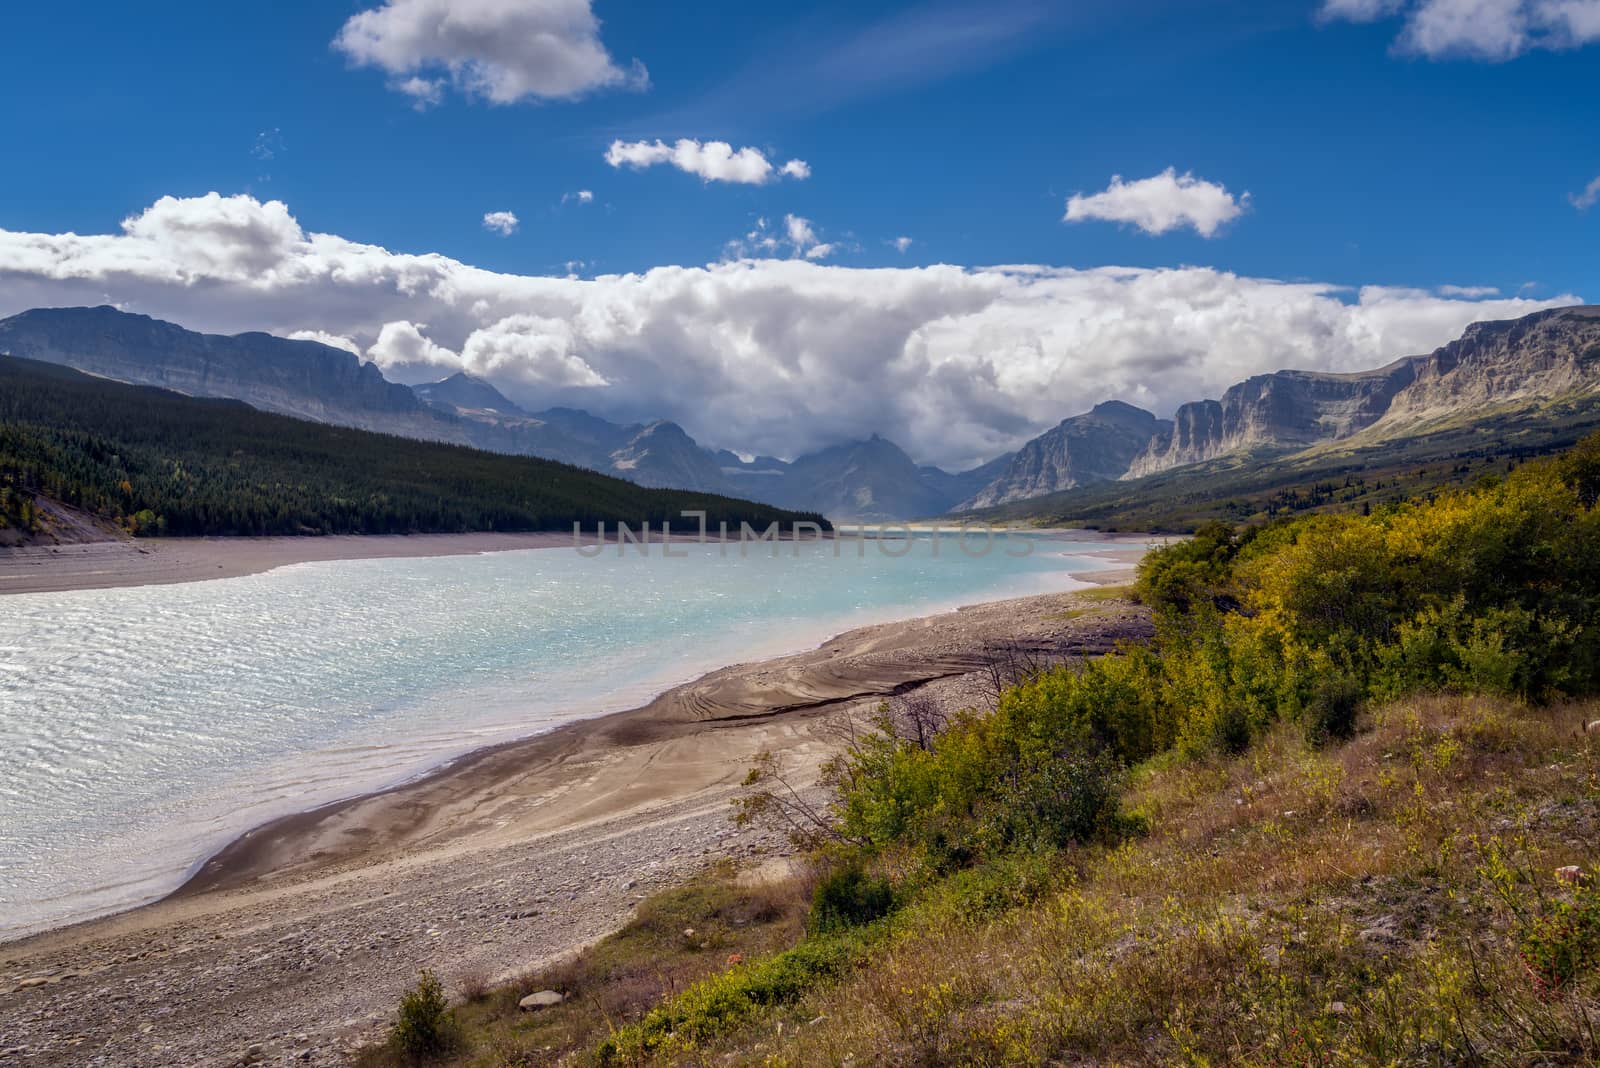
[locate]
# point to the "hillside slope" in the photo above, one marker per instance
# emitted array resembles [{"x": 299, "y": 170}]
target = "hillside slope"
[{"x": 158, "y": 462}]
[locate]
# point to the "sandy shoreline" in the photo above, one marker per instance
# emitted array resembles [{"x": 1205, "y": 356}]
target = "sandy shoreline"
[
  {"x": 123, "y": 562},
  {"x": 99, "y": 565},
  {"x": 638, "y": 798}
]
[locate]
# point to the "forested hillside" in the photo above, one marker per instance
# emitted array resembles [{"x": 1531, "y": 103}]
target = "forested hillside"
[{"x": 157, "y": 462}]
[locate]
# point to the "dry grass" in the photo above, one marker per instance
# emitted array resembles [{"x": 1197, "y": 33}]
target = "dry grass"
[
  {"x": 1357, "y": 905},
  {"x": 675, "y": 939}
]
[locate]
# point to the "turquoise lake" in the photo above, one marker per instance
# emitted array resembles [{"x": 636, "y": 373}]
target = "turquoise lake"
[{"x": 141, "y": 729}]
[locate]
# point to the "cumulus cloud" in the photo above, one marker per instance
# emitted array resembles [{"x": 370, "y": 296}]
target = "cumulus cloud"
[
  {"x": 901, "y": 244},
  {"x": 537, "y": 349},
  {"x": 713, "y": 161},
  {"x": 501, "y": 51},
  {"x": 769, "y": 356},
  {"x": 402, "y": 343},
  {"x": 322, "y": 337},
  {"x": 1588, "y": 198},
  {"x": 582, "y": 196},
  {"x": 796, "y": 237},
  {"x": 1164, "y": 202},
  {"x": 503, "y": 223},
  {"x": 1490, "y": 30}
]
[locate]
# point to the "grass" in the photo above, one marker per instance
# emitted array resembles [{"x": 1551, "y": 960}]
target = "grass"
[
  {"x": 1366, "y": 904},
  {"x": 676, "y": 939},
  {"x": 1098, "y": 599},
  {"x": 1387, "y": 901}
]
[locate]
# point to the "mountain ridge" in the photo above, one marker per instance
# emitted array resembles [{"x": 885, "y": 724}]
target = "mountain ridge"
[{"x": 1537, "y": 357}]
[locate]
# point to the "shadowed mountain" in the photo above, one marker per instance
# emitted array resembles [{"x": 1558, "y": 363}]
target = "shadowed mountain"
[
  {"x": 1097, "y": 446},
  {"x": 300, "y": 378}
]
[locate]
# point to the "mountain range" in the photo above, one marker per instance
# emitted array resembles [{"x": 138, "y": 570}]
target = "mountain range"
[{"x": 1544, "y": 357}]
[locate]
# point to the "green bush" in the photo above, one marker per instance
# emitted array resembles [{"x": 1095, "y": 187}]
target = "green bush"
[
  {"x": 720, "y": 1004},
  {"x": 849, "y": 897},
  {"x": 1332, "y": 713},
  {"x": 1561, "y": 943},
  {"x": 424, "y": 1028},
  {"x": 1073, "y": 798}
]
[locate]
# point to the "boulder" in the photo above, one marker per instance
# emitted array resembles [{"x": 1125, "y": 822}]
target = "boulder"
[{"x": 541, "y": 1000}]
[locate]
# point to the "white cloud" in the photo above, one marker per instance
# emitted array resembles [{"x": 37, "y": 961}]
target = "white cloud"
[
  {"x": 1469, "y": 292},
  {"x": 1588, "y": 198},
  {"x": 503, "y": 223},
  {"x": 797, "y": 236},
  {"x": 1166, "y": 201},
  {"x": 1359, "y": 10},
  {"x": 582, "y": 196},
  {"x": 403, "y": 344},
  {"x": 713, "y": 161},
  {"x": 901, "y": 244},
  {"x": 502, "y": 51},
  {"x": 424, "y": 92},
  {"x": 268, "y": 144},
  {"x": 536, "y": 349},
  {"x": 770, "y": 356},
  {"x": 1490, "y": 30},
  {"x": 322, "y": 337}
]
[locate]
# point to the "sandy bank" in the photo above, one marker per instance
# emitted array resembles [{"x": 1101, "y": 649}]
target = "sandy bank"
[
  {"x": 109, "y": 564},
  {"x": 99, "y": 565},
  {"x": 300, "y": 935}
]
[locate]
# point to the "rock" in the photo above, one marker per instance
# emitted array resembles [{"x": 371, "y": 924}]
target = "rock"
[
  {"x": 541, "y": 1000},
  {"x": 1379, "y": 935},
  {"x": 1336, "y": 1008},
  {"x": 1593, "y": 727},
  {"x": 1572, "y": 875},
  {"x": 37, "y": 980}
]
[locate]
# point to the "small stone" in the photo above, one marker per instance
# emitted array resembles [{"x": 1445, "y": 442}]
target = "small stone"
[
  {"x": 688, "y": 932},
  {"x": 1572, "y": 875},
  {"x": 541, "y": 1000},
  {"x": 1336, "y": 1008},
  {"x": 1593, "y": 727},
  {"x": 37, "y": 980}
]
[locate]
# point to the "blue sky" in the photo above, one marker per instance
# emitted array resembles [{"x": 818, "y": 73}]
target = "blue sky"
[{"x": 1376, "y": 148}]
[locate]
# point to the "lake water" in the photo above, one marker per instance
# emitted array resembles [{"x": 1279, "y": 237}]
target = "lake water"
[{"x": 142, "y": 729}]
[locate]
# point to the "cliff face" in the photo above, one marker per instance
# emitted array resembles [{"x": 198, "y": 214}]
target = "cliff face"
[
  {"x": 1097, "y": 446},
  {"x": 300, "y": 378},
  {"x": 1280, "y": 410},
  {"x": 1540, "y": 356}
]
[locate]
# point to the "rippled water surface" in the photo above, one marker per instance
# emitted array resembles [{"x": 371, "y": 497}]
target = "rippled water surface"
[{"x": 141, "y": 729}]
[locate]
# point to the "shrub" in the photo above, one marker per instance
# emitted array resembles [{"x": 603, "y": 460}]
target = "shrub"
[
  {"x": 424, "y": 1027},
  {"x": 1561, "y": 942},
  {"x": 849, "y": 898},
  {"x": 1332, "y": 714},
  {"x": 1070, "y": 799}
]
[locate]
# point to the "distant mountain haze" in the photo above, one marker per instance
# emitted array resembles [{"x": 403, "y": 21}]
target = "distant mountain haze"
[{"x": 1544, "y": 356}]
